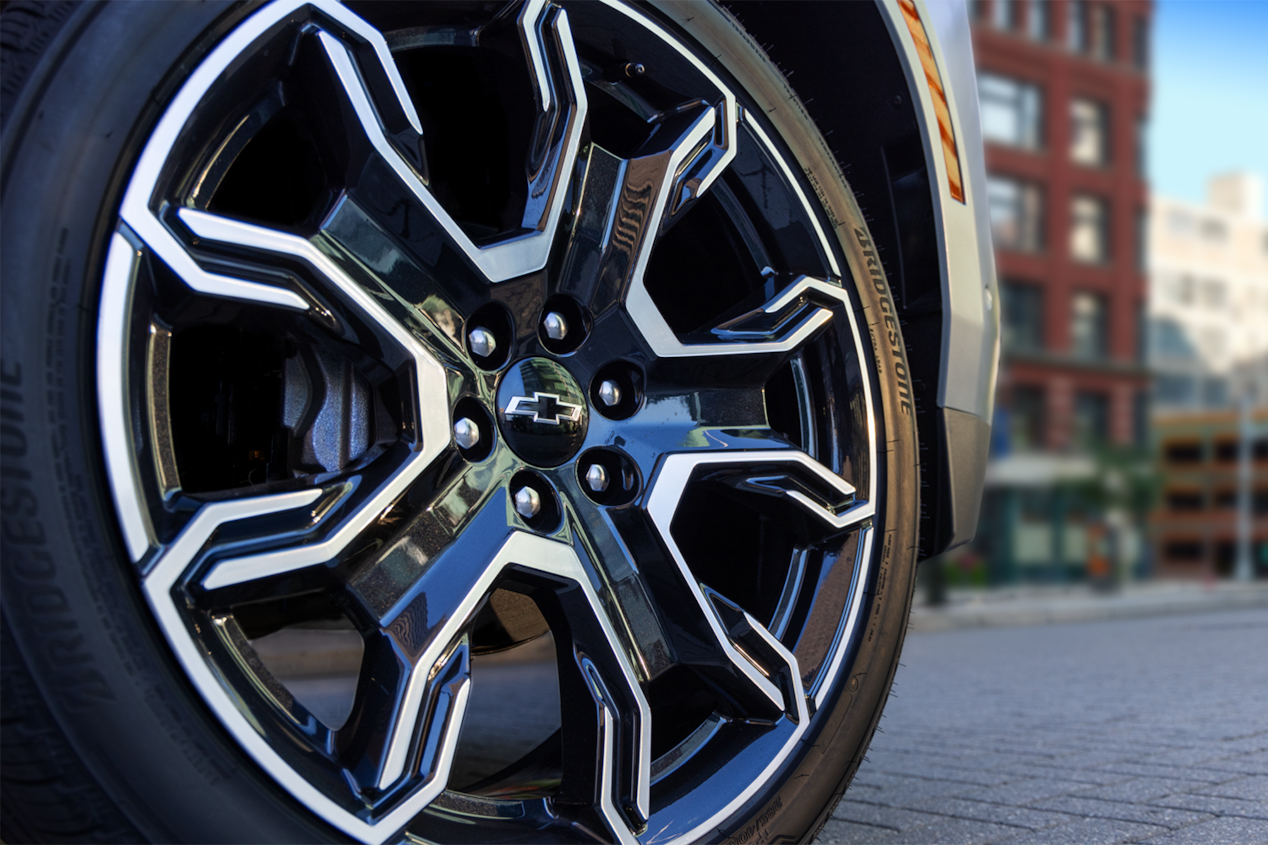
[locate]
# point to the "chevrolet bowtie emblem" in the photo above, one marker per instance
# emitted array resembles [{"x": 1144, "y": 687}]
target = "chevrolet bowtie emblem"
[{"x": 543, "y": 407}]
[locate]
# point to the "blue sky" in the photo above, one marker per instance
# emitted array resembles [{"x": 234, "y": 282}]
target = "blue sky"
[{"x": 1210, "y": 94}]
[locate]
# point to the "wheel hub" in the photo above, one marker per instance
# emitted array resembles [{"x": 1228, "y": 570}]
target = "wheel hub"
[{"x": 542, "y": 412}]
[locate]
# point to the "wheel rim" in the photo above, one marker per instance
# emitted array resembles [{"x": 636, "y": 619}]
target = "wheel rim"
[{"x": 389, "y": 398}]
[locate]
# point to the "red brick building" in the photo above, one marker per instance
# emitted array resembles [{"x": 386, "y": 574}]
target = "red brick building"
[{"x": 1064, "y": 88}]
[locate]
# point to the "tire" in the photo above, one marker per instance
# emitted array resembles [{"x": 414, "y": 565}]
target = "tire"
[{"x": 481, "y": 426}]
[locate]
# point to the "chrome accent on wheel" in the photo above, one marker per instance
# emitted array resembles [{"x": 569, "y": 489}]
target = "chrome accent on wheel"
[{"x": 546, "y": 408}]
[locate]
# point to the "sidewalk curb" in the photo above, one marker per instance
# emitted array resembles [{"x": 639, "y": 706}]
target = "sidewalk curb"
[{"x": 1060, "y": 610}]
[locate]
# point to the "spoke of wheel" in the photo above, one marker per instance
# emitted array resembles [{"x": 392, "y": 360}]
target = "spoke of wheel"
[
  {"x": 562, "y": 108},
  {"x": 623, "y": 591},
  {"x": 829, "y": 501},
  {"x": 790, "y": 318},
  {"x": 623, "y": 204},
  {"x": 433, "y": 428},
  {"x": 787, "y": 474},
  {"x": 703, "y": 419},
  {"x": 396, "y": 694},
  {"x": 135, "y": 209},
  {"x": 421, "y": 625}
]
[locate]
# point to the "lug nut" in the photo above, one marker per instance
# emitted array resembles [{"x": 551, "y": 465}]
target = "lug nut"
[
  {"x": 527, "y": 502},
  {"x": 609, "y": 393},
  {"x": 466, "y": 433},
  {"x": 555, "y": 325},
  {"x": 597, "y": 478},
  {"x": 483, "y": 343}
]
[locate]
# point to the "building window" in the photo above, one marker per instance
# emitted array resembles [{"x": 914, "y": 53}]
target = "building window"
[
  {"x": 1215, "y": 231},
  {"x": 1184, "y": 499},
  {"x": 1183, "y": 452},
  {"x": 1016, "y": 214},
  {"x": 1103, "y": 31},
  {"x": 1089, "y": 224},
  {"x": 1170, "y": 341},
  {"x": 1140, "y": 43},
  {"x": 1089, "y": 132},
  {"x": 1213, "y": 343},
  {"x": 1025, "y": 429},
  {"x": 1175, "y": 390},
  {"x": 1076, "y": 26},
  {"x": 1037, "y": 20},
  {"x": 1179, "y": 223},
  {"x": 1215, "y": 393},
  {"x": 1011, "y": 111},
  {"x": 1088, "y": 326},
  {"x": 1215, "y": 295},
  {"x": 1184, "y": 290},
  {"x": 1091, "y": 419},
  {"x": 1022, "y": 316},
  {"x": 1004, "y": 15}
]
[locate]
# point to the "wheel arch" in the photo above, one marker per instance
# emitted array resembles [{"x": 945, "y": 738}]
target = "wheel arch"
[{"x": 845, "y": 60}]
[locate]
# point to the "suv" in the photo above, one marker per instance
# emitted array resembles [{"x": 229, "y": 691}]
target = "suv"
[{"x": 476, "y": 421}]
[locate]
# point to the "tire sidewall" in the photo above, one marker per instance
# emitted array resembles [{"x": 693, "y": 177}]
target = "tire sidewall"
[
  {"x": 797, "y": 801},
  {"x": 70, "y": 595}
]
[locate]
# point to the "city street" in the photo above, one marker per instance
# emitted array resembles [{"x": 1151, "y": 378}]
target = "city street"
[{"x": 1135, "y": 730}]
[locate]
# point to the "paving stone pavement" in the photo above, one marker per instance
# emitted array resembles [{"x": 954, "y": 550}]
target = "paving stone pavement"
[{"x": 1137, "y": 730}]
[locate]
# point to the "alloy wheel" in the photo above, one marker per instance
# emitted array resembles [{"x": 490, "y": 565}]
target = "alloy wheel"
[{"x": 456, "y": 327}]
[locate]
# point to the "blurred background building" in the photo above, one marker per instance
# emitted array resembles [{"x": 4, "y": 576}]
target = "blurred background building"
[
  {"x": 1208, "y": 301},
  {"x": 1064, "y": 91},
  {"x": 1208, "y": 326}
]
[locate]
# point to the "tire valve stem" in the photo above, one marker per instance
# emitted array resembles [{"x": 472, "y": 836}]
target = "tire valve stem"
[
  {"x": 609, "y": 393},
  {"x": 482, "y": 341},
  {"x": 466, "y": 433},
  {"x": 555, "y": 325},
  {"x": 624, "y": 70},
  {"x": 527, "y": 503}
]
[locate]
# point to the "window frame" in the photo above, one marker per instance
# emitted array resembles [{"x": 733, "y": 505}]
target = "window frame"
[
  {"x": 1028, "y": 205},
  {"x": 1027, "y": 334},
  {"x": 1089, "y": 341},
  {"x": 1081, "y": 205},
  {"x": 1019, "y": 101},
  {"x": 1076, "y": 26},
  {"x": 1089, "y": 116},
  {"x": 1039, "y": 20}
]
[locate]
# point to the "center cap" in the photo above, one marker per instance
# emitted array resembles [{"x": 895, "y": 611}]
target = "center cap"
[{"x": 542, "y": 412}]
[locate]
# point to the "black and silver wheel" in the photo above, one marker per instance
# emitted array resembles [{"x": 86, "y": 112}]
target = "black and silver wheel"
[{"x": 532, "y": 350}]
